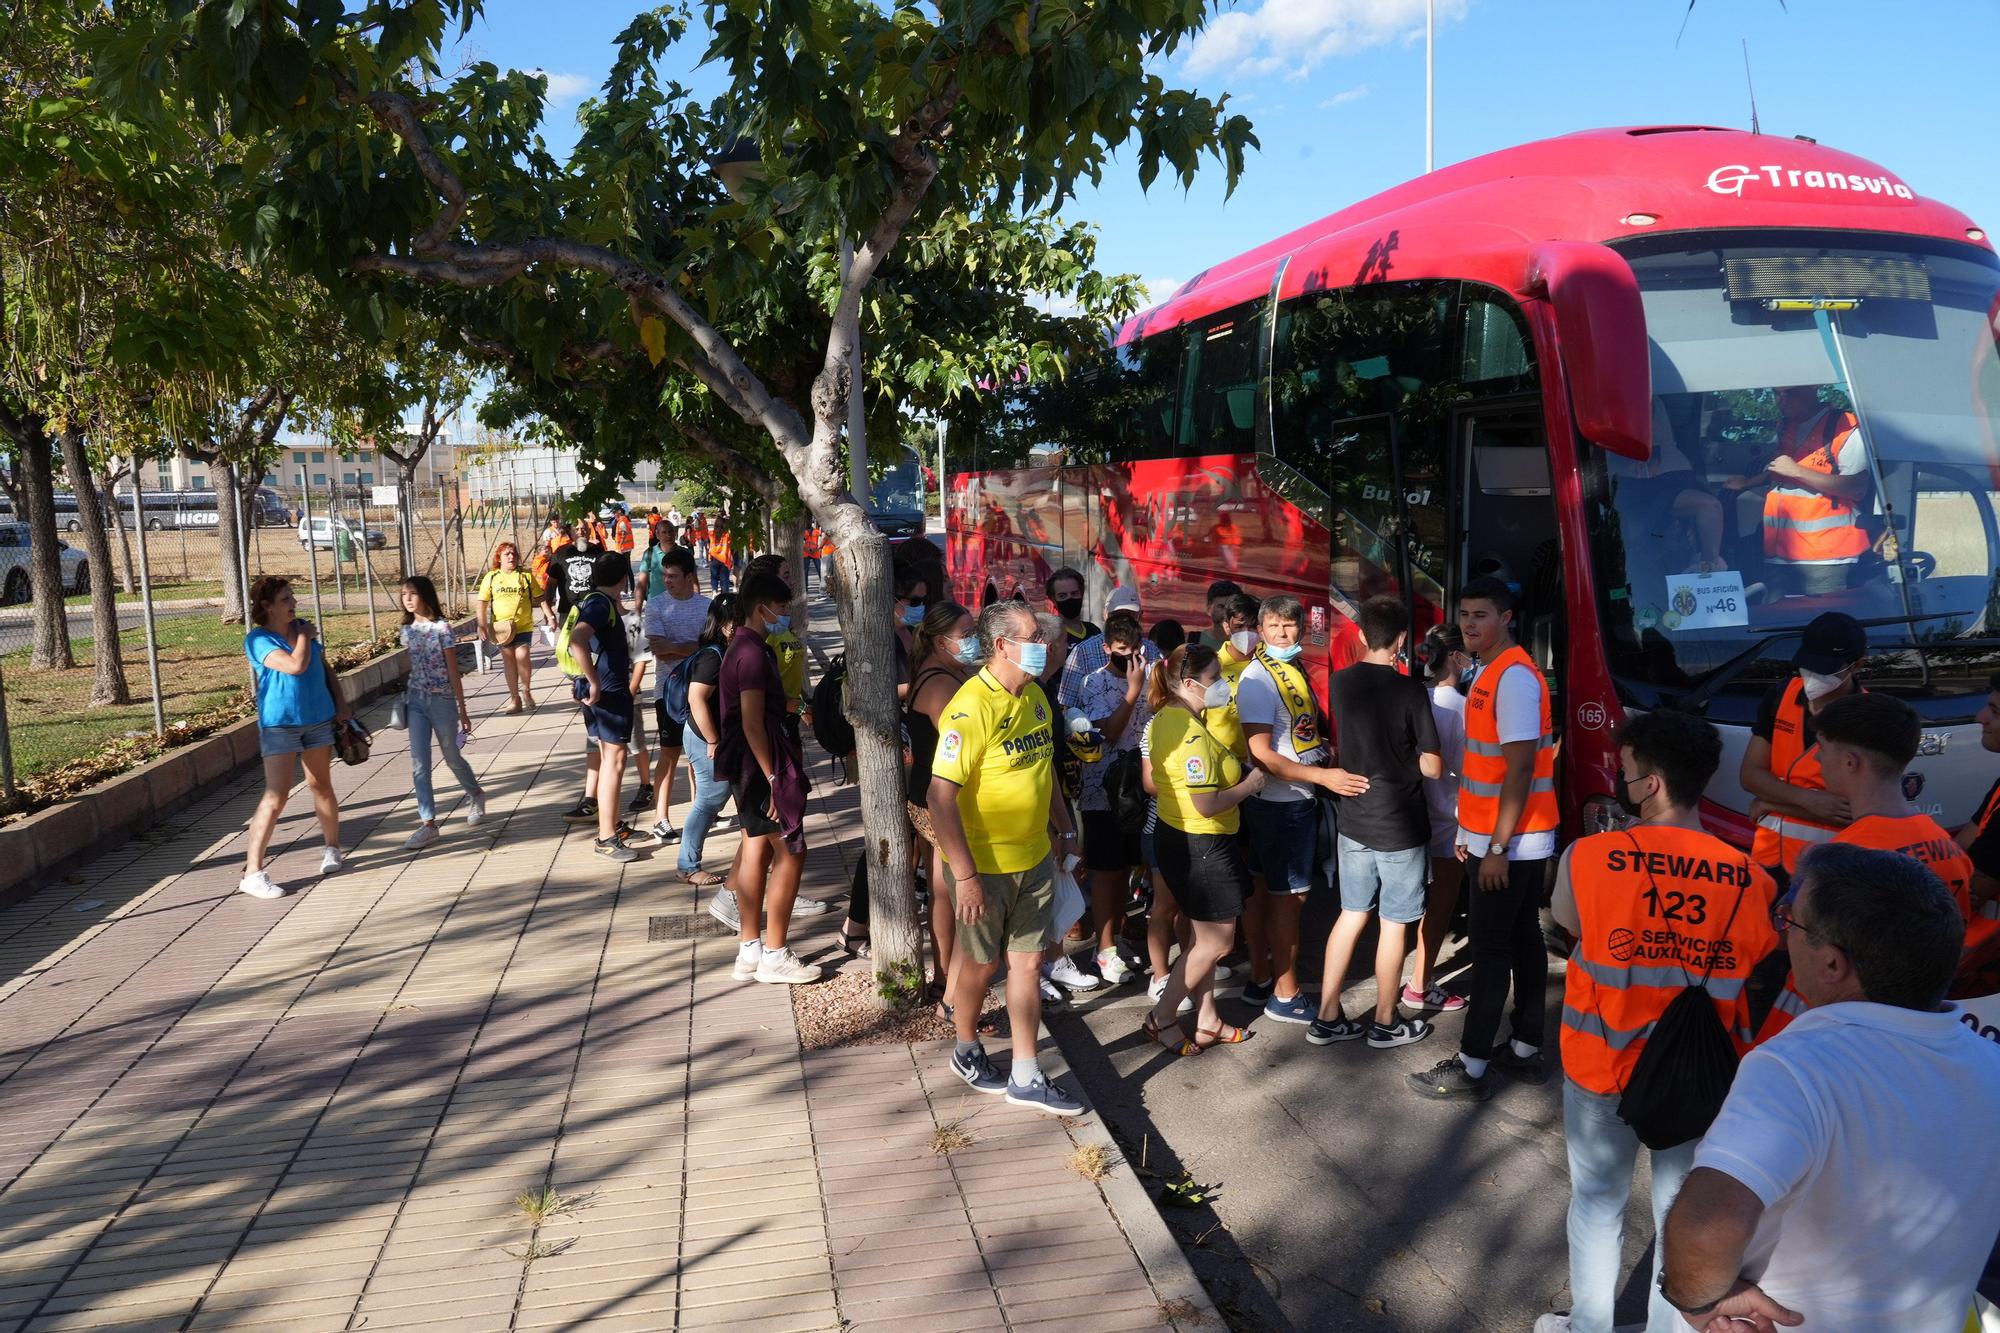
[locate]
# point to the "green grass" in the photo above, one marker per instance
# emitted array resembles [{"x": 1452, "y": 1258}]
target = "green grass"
[
  {"x": 164, "y": 590},
  {"x": 49, "y": 716}
]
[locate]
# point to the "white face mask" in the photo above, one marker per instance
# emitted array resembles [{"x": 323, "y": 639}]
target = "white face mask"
[
  {"x": 1244, "y": 641},
  {"x": 1818, "y": 686}
]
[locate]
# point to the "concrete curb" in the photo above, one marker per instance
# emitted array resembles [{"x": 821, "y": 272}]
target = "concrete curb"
[
  {"x": 47, "y": 844},
  {"x": 1159, "y": 1253}
]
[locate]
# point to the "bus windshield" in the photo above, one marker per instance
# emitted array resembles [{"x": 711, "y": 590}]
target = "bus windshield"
[
  {"x": 899, "y": 487},
  {"x": 1826, "y": 436}
]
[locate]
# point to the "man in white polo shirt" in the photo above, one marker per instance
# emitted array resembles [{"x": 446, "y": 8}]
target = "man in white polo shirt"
[{"x": 1852, "y": 1180}]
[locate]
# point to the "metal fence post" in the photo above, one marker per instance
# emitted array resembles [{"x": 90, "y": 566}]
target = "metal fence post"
[
  {"x": 333, "y": 541},
  {"x": 312, "y": 551},
  {"x": 7, "y": 787},
  {"x": 367, "y": 564},
  {"x": 146, "y": 606}
]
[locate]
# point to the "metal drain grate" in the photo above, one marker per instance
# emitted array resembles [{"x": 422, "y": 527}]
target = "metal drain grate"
[{"x": 684, "y": 926}]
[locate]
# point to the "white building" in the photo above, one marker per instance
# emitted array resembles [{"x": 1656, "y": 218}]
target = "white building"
[{"x": 501, "y": 468}]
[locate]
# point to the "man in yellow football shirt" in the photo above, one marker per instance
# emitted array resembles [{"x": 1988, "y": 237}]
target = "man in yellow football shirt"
[{"x": 993, "y": 797}]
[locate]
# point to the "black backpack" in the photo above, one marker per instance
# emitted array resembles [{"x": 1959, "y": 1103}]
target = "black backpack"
[
  {"x": 1682, "y": 1076},
  {"x": 1125, "y": 789},
  {"x": 831, "y": 728}
]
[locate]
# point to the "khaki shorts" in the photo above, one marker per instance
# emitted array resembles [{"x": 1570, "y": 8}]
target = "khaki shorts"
[{"x": 1018, "y": 910}]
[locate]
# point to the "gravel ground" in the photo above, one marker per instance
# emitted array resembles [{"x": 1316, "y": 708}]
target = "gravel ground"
[{"x": 843, "y": 1011}]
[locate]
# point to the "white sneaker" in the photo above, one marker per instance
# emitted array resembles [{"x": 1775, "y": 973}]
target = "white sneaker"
[
  {"x": 1223, "y": 972},
  {"x": 1552, "y": 1323},
  {"x": 747, "y": 961},
  {"x": 258, "y": 885},
  {"x": 421, "y": 837},
  {"x": 1069, "y": 974},
  {"x": 1114, "y": 969},
  {"x": 1158, "y": 987},
  {"x": 781, "y": 967},
  {"x": 803, "y": 906},
  {"x": 723, "y": 908},
  {"x": 1052, "y": 993},
  {"x": 330, "y": 861},
  {"x": 478, "y": 815}
]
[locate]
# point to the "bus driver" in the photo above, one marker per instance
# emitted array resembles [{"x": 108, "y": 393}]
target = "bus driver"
[{"x": 1814, "y": 529}]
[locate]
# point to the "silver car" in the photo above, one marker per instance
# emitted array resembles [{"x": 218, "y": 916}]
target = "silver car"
[{"x": 15, "y": 586}]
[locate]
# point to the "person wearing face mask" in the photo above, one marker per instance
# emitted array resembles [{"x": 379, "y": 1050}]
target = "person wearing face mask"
[
  {"x": 1221, "y": 594},
  {"x": 992, "y": 801},
  {"x": 1781, "y": 765},
  {"x": 912, "y": 592},
  {"x": 1234, "y": 655},
  {"x": 1287, "y": 736},
  {"x": 947, "y": 653},
  {"x": 1653, "y": 908},
  {"x": 1065, "y": 590},
  {"x": 762, "y": 760},
  {"x": 1200, "y": 785}
]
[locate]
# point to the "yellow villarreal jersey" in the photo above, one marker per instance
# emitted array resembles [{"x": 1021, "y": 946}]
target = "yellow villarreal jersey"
[
  {"x": 791, "y": 655},
  {"x": 1000, "y": 750},
  {"x": 1224, "y": 723},
  {"x": 1188, "y": 758}
]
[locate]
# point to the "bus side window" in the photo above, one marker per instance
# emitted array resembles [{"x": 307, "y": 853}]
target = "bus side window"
[{"x": 1219, "y": 383}]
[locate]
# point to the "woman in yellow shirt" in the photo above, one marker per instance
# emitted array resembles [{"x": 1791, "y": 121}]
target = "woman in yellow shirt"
[
  {"x": 507, "y": 597},
  {"x": 1199, "y": 782}
]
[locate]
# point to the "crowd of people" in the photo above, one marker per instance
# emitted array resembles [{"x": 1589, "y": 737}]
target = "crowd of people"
[{"x": 1065, "y": 777}]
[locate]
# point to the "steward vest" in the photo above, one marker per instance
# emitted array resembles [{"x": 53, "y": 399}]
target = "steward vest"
[
  {"x": 1485, "y": 769},
  {"x": 1781, "y": 839},
  {"x": 621, "y": 534},
  {"x": 1659, "y": 909},
  {"x": 1801, "y": 525},
  {"x": 718, "y": 549},
  {"x": 1918, "y": 837}
]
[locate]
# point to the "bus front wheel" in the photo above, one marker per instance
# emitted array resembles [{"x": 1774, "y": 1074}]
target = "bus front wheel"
[{"x": 155, "y": 525}]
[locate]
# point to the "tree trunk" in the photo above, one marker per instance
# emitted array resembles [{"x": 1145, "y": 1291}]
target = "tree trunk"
[
  {"x": 790, "y": 544},
  {"x": 51, "y": 622},
  {"x": 228, "y": 514},
  {"x": 108, "y": 685},
  {"x": 866, "y": 602},
  {"x": 127, "y": 575}
]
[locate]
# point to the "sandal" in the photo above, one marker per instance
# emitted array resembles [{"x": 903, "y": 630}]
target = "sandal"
[
  {"x": 1223, "y": 1036},
  {"x": 855, "y": 945},
  {"x": 513, "y": 705},
  {"x": 1178, "y": 1044},
  {"x": 701, "y": 879}
]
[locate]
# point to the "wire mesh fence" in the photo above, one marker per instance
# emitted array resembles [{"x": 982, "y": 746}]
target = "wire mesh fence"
[{"x": 64, "y": 723}]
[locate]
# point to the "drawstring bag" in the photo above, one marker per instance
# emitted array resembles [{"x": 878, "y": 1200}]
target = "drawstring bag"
[
  {"x": 1067, "y": 908},
  {"x": 1682, "y": 1076}
]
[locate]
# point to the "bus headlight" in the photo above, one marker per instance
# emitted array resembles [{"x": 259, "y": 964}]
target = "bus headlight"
[{"x": 1602, "y": 814}]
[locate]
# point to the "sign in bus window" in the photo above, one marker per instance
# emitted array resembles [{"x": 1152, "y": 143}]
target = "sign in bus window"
[{"x": 1705, "y": 601}]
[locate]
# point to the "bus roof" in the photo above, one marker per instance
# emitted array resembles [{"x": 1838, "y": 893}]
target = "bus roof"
[{"x": 1477, "y": 219}]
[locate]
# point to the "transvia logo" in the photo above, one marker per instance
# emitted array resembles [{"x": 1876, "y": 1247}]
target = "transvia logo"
[{"x": 1735, "y": 178}]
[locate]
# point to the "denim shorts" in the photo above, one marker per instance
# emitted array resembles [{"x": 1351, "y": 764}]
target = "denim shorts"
[
  {"x": 1395, "y": 878},
  {"x": 1279, "y": 838},
  {"x": 294, "y": 740}
]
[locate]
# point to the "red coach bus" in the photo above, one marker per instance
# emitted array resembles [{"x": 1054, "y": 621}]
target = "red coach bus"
[{"x": 1559, "y": 363}]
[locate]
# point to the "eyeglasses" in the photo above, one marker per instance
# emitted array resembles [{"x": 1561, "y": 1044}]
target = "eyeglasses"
[{"x": 1782, "y": 918}]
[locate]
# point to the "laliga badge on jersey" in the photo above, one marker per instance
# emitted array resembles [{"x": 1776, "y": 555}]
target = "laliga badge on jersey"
[
  {"x": 948, "y": 747},
  {"x": 1041, "y": 714},
  {"x": 1197, "y": 771}
]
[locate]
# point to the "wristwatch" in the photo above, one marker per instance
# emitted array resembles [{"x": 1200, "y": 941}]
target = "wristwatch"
[{"x": 1696, "y": 1310}]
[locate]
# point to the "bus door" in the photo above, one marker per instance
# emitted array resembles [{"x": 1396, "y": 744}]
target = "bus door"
[{"x": 1507, "y": 517}]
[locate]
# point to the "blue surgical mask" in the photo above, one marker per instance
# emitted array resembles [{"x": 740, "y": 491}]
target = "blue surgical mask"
[
  {"x": 1284, "y": 654},
  {"x": 780, "y": 625},
  {"x": 968, "y": 652},
  {"x": 913, "y": 616},
  {"x": 1034, "y": 656}
]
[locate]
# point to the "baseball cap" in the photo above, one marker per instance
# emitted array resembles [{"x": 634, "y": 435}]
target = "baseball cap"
[
  {"x": 1121, "y": 599},
  {"x": 1832, "y": 642}
]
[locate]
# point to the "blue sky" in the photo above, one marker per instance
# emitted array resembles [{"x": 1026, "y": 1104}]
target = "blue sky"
[{"x": 1336, "y": 90}]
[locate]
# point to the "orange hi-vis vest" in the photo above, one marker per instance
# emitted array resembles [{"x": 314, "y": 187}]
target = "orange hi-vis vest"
[
  {"x": 1781, "y": 839},
  {"x": 1918, "y": 837},
  {"x": 1801, "y": 525},
  {"x": 621, "y": 534},
  {"x": 1659, "y": 908},
  {"x": 1485, "y": 769},
  {"x": 718, "y": 549}
]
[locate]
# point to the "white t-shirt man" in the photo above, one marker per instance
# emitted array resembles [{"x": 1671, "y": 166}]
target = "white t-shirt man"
[
  {"x": 1441, "y": 793},
  {"x": 676, "y": 621},
  {"x": 1259, "y": 705},
  {"x": 1518, "y": 708},
  {"x": 1867, "y": 1131}
]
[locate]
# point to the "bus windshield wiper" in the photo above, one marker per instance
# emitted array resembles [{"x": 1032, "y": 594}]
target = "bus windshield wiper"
[{"x": 1696, "y": 700}]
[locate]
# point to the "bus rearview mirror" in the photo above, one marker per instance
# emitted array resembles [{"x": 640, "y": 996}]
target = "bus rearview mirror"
[{"x": 1601, "y": 325}]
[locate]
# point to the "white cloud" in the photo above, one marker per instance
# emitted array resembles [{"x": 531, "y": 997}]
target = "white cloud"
[
  {"x": 1159, "y": 289},
  {"x": 1348, "y": 95},
  {"x": 1293, "y": 37},
  {"x": 566, "y": 87}
]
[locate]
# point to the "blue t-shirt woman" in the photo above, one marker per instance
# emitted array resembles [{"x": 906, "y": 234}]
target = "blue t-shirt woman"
[{"x": 297, "y": 708}]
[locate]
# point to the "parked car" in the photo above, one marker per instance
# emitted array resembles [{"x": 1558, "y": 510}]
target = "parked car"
[
  {"x": 15, "y": 586},
  {"x": 321, "y": 537}
]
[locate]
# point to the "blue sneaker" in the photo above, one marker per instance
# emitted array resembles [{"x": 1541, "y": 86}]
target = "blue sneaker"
[
  {"x": 1257, "y": 994},
  {"x": 1043, "y": 1096},
  {"x": 976, "y": 1068},
  {"x": 1298, "y": 1009}
]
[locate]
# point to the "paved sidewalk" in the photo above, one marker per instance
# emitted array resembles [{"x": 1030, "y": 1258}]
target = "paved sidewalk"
[{"x": 318, "y": 1113}]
